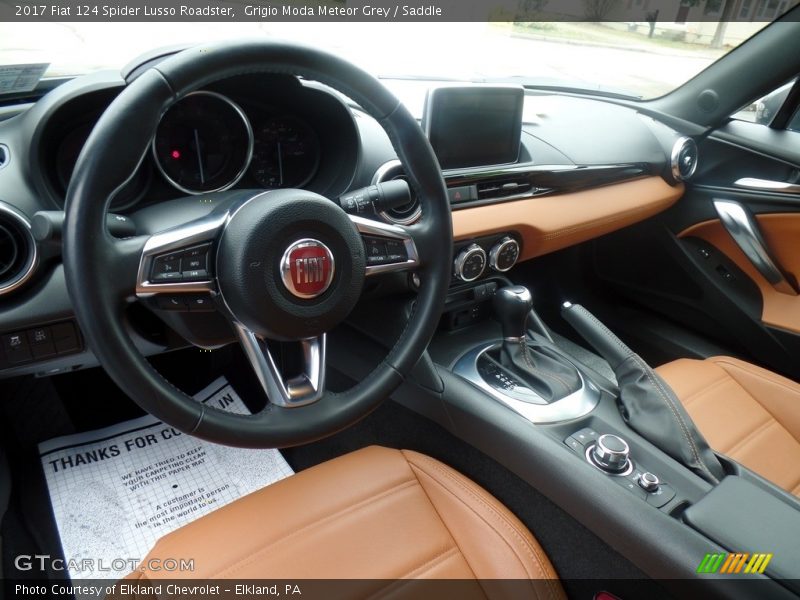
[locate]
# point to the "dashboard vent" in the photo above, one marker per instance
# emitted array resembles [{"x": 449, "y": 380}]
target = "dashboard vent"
[
  {"x": 683, "y": 161},
  {"x": 402, "y": 215},
  {"x": 503, "y": 188},
  {"x": 17, "y": 249},
  {"x": 5, "y": 156}
]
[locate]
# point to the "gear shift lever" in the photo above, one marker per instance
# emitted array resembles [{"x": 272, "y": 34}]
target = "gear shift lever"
[
  {"x": 540, "y": 368},
  {"x": 512, "y": 305}
]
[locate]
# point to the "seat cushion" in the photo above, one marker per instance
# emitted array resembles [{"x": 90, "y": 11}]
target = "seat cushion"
[
  {"x": 374, "y": 514},
  {"x": 748, "y": 413}
]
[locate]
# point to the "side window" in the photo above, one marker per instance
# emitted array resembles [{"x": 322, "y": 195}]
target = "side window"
[{"x": 763, "y": 110}]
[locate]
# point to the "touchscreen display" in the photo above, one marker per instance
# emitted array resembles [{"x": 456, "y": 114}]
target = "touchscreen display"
[{"x": 474, "y": 126}]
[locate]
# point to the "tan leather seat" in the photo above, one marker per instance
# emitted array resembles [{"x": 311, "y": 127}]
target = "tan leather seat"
[
  {"x": 745, "y": 412},
  {"x": 375, "y": 514}
]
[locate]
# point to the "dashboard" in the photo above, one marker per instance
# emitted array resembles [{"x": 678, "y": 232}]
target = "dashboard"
[{"x": 585, "y": 167}]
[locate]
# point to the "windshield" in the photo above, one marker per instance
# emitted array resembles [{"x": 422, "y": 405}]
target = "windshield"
[{"x": 630, "y": 58}]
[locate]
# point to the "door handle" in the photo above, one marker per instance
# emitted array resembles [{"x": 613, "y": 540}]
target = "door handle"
[
  {"x": 743, "y": 228},
  {"x": 768, "y": 185}
]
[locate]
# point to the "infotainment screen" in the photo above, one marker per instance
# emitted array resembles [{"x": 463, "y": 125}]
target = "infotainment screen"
[{"x": 474, "y": 126}]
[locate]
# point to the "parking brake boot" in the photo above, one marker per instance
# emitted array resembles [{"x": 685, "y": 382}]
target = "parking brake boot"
[{"x": 649, "y": 405}]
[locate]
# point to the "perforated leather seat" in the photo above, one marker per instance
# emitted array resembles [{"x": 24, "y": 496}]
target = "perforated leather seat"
[
  {"x": 745, "y": 412},
  {"x": 375, "y": 514}
]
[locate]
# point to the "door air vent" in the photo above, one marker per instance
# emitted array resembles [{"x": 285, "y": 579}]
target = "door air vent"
[
  {"x": 5, "y": 156},
  {"x": 18, "y": 254},
  {"x": 503, "y": 188},
  {"x": 683, "y": 160},
  {"x": 407, "y": 213}
]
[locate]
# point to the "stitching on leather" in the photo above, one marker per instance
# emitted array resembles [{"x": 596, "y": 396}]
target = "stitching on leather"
[
  {"x": 691, "y": 398},
  {"x": 238, "y": 565},
  {"x": 659, "y": 388},
  {"x": 735, "y": 366},
  {"x": 531, "y": 550},
  {"x": 532, "y": 367},
  {"x": 415, "y": 572},
  {"x": 743, "y": 442},
  {"x": 599, "y": 222}
]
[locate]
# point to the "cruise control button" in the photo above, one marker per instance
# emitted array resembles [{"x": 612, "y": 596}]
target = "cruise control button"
[{"x": 396, "y": 251}]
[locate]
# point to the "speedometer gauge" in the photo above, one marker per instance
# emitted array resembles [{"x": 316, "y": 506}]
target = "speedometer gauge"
[
  {"x": 286, "y": 153},
  {"x": 203, "y": 143}
]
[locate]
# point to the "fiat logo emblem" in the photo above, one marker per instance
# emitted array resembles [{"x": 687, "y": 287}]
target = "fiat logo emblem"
[{"x": 307, "y": 268}]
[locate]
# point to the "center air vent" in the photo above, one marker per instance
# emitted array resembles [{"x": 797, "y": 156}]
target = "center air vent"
[
  {"x": 503, "y": 188},
  {"x": 17, "y": 249},
  {"x": 407, "y": 213},
  {"x": 683, "y": 161}
]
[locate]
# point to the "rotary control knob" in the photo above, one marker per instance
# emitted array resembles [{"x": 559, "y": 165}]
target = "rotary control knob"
[
  {"x": 470, "y": 263},
  {"x": 649, "y": 482},
  {"x": 504, "y": 254},
  {"x": 610, "y": 453}
]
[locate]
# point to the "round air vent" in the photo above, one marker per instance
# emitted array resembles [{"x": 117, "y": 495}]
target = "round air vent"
[
  {"x": 18, "y": 254},
  {"x": 402, "y": 215},
  {"x": 5, "y": 155},
  {"x": 683, "y": 161}
]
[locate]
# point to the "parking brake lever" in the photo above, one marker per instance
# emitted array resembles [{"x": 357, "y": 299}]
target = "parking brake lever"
[{"x": 649, "y": 405}]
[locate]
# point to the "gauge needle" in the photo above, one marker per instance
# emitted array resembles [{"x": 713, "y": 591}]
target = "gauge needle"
[
  {"x": 199, "y": 157},
  {"x": 280, "y": 165}
]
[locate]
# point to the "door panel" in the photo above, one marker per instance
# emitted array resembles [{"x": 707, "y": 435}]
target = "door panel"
[{"x": 684, "y": 264}]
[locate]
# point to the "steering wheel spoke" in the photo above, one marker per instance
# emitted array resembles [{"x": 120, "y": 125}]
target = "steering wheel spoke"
[
  {"x": 389, "y": 248},
  {"x": 180, "y": 260},
  {"x": 298, "y": 390}
]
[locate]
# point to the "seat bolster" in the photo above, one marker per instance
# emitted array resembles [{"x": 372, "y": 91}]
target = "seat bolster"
[{"x": 495, "y": 544}]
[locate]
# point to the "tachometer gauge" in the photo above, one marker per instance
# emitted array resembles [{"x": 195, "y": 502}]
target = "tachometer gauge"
[
  {"x": 203, "y": 143},
  {"x": 286, "y": 153}
]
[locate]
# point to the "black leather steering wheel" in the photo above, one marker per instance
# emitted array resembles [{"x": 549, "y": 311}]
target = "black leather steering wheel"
[{"x": 263, "y": 244}]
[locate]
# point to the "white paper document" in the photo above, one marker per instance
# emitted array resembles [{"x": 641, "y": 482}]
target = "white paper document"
[{"x": 115, "y": 491}]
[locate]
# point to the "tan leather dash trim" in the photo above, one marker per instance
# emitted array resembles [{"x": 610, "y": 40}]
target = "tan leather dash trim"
[{"x": 549, "y": 223}]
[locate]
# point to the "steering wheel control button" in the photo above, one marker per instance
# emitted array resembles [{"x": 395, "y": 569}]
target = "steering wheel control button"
[
  {"x": 195, "y": 259},
  {"x": 470, "y": 263},
  {"x": 661, "y": 496},
  {"x": 504, "y": 254},
  {"x": 307, "y": 268},
  {"x": 172, "y": 302},
  {"x": 611, "y": 453},
  {"x": 649, "y": 482},
  {"x": 195, "y": 275},
  {"x": 200, "y": 303},
  {"x": 376, "y": 250},
  {"x": 167, "y": 267}
]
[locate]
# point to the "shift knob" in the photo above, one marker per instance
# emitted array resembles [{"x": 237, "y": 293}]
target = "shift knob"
[{"x": 512, "y": 305}]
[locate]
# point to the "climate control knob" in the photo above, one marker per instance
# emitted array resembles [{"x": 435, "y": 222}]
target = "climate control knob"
[
  {"x": 611, "y": 453},
  {"x": 470, "y": 263},
  {"x": 504, "y": 254}
]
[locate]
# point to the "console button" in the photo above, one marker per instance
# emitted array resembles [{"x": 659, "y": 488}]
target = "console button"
[
  {"x": 65, "y": 338},
  {"x": 462, "y": 193},
  {"x": 574, "y": 445},
  {"x": 632, "y": 487},
  {"x": 585, "y": 435},
  {"x": 660, "y": 497},
  {"x": 41, "y": 342},
  {"x": 16, "y": 347},
  {"x": 648, "y": 482}
]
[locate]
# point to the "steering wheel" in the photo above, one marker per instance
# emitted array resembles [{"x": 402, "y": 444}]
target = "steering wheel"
[{"x": 285, "y": 264}]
